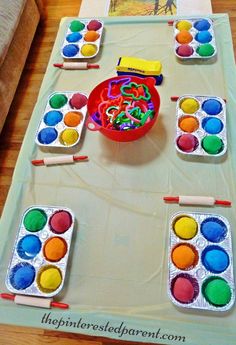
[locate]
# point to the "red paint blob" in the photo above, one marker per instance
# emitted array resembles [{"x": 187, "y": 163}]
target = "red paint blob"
[
  {"x": 60, "y": 222},
  {"x": 187, "y": 142},
  {"x": 184, "y": 50},
  {"x": 78, "y": 101},
  {"x": 94, "y": 25},
  {"x": 183, "y": 290}
]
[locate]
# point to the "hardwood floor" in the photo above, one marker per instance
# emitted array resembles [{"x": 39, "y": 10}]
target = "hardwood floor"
[
  {"x": 26, "y": 95},
  {"x": 13, "y": 134}
]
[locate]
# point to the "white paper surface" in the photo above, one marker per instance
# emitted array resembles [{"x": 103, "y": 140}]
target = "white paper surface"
[{"x": 100, "y": 8}]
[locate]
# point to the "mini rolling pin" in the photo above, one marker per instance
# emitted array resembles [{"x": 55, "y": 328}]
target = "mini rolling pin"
[
  {"x": 59, "y": 160},
  {"x": 76, "y": 65},
  {"x": 34, "y": 301},
  {"x": 196, "y": 200}
]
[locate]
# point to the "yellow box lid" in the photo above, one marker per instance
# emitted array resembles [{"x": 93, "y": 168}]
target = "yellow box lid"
[{"x": 137, "y": 65}]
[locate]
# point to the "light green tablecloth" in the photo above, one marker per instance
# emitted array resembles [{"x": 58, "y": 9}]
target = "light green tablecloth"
[{"x": 118, "y": 265}]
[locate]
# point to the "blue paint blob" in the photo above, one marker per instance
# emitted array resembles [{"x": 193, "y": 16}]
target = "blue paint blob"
[
  {"x": 22, "y": 276},
  {"x": 74, "y": 37},
  {"x": 212, "y": 125},
  {"x": 213, "y": 229},
  {"x": 203, "y": 37},
  {"x": 47, "y": 135},
  {"x": 52, "y": 118},
  {"x": 212, "y": 107},
  {"x": 215, "y": 259},
  {"x": 70, "y": 50},
  {"x": 202, "y": 25},
  {"x": 28, "y": 247}
]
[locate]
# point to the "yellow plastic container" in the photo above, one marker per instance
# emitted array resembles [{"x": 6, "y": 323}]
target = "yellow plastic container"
[{"x": 141, "y": 66}]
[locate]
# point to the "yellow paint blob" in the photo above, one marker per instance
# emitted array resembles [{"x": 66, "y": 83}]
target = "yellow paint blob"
[
  {"x": 183, "y": 25},
  {"x": 189, "y": 105},
  {"x": 185, "y": 227},
  {"x": 184, "y": 256},
  {"x": 88, "y": 50},
  {"x": 49, "y": 279},
  {"x": 69, "y": 137}
]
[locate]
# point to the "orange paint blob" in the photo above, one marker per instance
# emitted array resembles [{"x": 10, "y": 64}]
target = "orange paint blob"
[
  {"x": 55, "y": 249},
  {"x": 188, "y": 124},
  {"x": 91, "y": 36},
  {"x": 184, "y": 37},
  {"x": 73, "y": 118},
  {"x": 184, "y": 256}
]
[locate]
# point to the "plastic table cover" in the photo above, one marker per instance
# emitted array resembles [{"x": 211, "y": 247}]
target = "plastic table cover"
[{"x": 116, "y": 281}]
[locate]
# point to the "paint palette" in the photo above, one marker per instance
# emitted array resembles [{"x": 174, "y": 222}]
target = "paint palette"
[
  {"x": 201, "y": 125},
  {"x": 194, "y": 39},
  {"x": 63, "y": 119},
  {"x": 201, "y": 262},
  {"x": 83, "y": 39},
  {"x": 40, "y": 254}
]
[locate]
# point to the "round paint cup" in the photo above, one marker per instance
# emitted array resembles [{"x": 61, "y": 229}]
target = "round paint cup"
[
  {"x": 47, "y": 135},
  {"x": 78, "y": 101},
  {"x": 214, "y": 229},
  {"x": 187, "y": 143},
  {"x": 212, "y": 106},
  {"x": 73, "y": 118},
  {"x": 60, "y": 222},
  {"x": 184, "y": 37},
  {"x": 215, "y": 259},
  {"x": 212, "y": 125},
  {"x": 76, "y": 26},
  {"x": 212, "y": 144},
  {"x": 70, "y": 50},
  {"x": 55, "y": 248},
  {"x": 183, "y": 25},
  {"x": 52, "y": 117},
  {"x": 28, "y": 247},
  {"x": 184, "y": 256},
  {"x": 185, "y": 227},
  {"x": 22, "y": 276},
  {"x": 188, "y": 123},
  {"x": 69, "y": 137},
  {"x": 89, "y": 50},
  {"x": 49, "y": 278},
  {"x": 58, "y": 101},
  {"x": 216, "y": 291},
  {"x": 203, "y": 37},
  {"x": 205, "y": 50},
  {"x": 202, "y": 25},
  {"x": 91, "y": 36},
  {"x": 35, "y": 220},
  {"x": 184, "y": 50},
  {"x": 184, "y": 288},
  {"x": 94, "y": 25},
  {"x": 189, "y": 105}
]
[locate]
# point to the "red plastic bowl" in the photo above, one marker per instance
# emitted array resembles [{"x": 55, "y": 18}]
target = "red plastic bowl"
[{"x": 116, "y": 135}]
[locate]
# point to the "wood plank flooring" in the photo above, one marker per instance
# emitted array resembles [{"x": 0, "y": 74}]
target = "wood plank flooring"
[{"x": 13, "y": 134}]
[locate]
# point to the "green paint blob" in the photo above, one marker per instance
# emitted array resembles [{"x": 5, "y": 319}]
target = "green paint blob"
[
  {"x": 205, "y": 49},
  {"x": 35, "y": 220},
  {"x": 212, "y": 144},
  {"x": 216, "y": 291},
  {"x": 58, "y": 101},
  {"x": 76, "y": 25}
]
